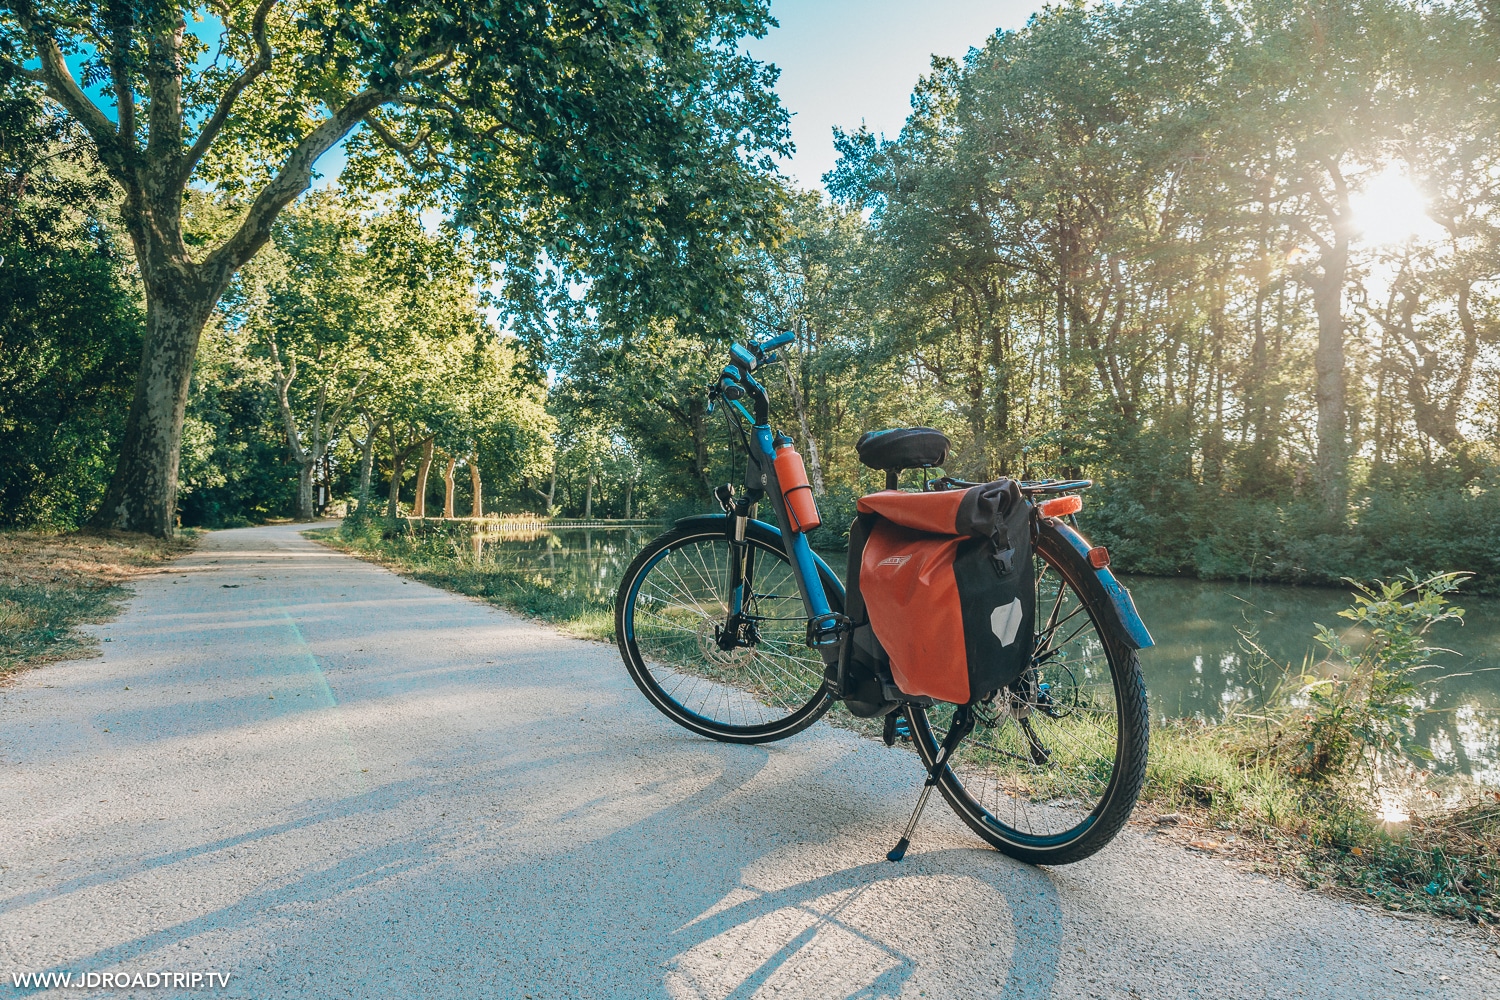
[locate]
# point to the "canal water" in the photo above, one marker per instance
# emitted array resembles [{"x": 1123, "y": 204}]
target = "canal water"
[{"x": 1200, "y": 667}]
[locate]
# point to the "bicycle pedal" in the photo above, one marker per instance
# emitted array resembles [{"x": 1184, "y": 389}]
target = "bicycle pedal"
[{"x": 896, "y": 727}]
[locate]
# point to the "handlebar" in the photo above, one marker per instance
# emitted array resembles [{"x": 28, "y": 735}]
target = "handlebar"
[
  {"x": 780, "y": 340},
  {"x": 736, "y": 381}
]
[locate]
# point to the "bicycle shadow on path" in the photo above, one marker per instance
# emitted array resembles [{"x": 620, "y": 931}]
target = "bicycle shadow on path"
[{"x": 684, "y": 901}]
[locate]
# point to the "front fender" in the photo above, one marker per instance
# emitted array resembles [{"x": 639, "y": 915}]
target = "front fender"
[{"x": 1125, "y": 614}]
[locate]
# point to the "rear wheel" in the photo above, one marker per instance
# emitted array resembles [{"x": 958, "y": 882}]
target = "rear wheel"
[
  {"x": 672, "y": 606},
  {"x": 1053, "y": 766}
]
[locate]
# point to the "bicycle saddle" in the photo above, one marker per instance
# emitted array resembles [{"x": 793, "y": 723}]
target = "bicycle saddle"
[{"x": 902, "y": 448}]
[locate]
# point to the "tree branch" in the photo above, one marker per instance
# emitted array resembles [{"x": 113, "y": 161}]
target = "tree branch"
[
  {"x": 284, "y": 403},
  {"x": 294, "y": 178},
  {"x": 164, "y": 78},
  {"x": 35, "y": 75},
  {"x": 63, "y": 89},
  {"x": 119, "y": 74},
  {"x": 389, "y": 138},
  {"x": 251, "y": 72}
]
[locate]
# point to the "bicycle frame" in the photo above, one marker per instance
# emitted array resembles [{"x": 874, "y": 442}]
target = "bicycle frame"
[{"x": 761, "y": 482}]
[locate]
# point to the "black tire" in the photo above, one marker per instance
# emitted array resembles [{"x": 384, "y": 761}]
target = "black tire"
[
  {"x": 1091, "y": 723},
  {"x": 671, "y": 598}
]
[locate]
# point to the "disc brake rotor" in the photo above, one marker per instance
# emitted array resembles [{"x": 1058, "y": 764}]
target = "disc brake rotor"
[{"x": 708, "y": 645}]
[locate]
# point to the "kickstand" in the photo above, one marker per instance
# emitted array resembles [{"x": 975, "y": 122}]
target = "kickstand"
[{"x": 963, "y": 724}]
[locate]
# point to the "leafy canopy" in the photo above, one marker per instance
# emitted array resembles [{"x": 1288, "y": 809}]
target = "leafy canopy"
[{"x": 621, "y": 146}]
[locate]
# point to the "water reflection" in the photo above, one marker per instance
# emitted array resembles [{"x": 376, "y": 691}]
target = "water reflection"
[
  {"x": 584, "y": 563},
  {"x": 1197, "y": 668}
]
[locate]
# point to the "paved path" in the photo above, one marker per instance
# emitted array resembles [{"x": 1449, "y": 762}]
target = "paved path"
[{"x": 295, "y": 769}]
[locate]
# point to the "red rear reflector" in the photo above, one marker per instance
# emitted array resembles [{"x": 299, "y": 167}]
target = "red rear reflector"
[
  {"x": 1098, "y": 557},
  {"x": 1060, "y": 506}
]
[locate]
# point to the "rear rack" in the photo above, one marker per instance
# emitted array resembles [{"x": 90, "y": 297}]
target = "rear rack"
[
  {"x": 1055, "y": 485},
  {"x": 1029, "y": 488}
]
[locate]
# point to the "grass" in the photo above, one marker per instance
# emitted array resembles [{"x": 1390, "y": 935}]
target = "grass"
[
  {"x": 52, "y": 583},
  {"x": 443, "y": 562},
  {"x": 1207, "y": 789},
  {"x": 1212, "y": 788}
]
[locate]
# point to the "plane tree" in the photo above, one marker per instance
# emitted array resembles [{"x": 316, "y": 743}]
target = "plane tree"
[{"x": 626, "y": 142}]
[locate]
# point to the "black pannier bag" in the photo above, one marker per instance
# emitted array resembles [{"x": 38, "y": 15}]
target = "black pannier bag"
[{"x": 941, "y": 596}]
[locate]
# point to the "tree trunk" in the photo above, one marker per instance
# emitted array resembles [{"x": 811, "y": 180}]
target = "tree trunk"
[
  {"x": 306, "y": 501},
  {"x": 366, "y": 459},
  {"x": 142, "y": 493},
  {"x": 474, "y": 481},
  {"x": 700, "y": 445},
  {"x": 393, "y": 498},
  {"x": 1328, "y": 364},
  {"x": 629, "y": 489},
  {"x": 552, "y": 487},
  {"x": 588, "y": 497},
  {"x": 814, "y": 466},
  {"x": 419, "y": 506},
  {"x": 448, "y": 486}
]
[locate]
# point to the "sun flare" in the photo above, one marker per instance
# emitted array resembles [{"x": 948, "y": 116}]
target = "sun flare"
[{"x": 1389, "y": 209}]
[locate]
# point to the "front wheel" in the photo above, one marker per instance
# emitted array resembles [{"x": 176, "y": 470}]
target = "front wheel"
[
  {"x": 671, "y": 610},
  {"x": 1053, "y": 766}
]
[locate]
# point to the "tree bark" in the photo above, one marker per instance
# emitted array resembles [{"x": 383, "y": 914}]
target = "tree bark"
[
  {"x": 306, "y": 500},
  {"x": 1328, "y": 365},
  {"x": 419, "y": 505},
  {"x": 478, "y": 509},
  {"x": 588, "y": 496},
  {"x": 393, "y": 496},
  {"x": 629, "y": 489},
  {"x": 142, "y": 493},
  {"x": 367, "y": 458},
  {"x": 448, "y": 486}
]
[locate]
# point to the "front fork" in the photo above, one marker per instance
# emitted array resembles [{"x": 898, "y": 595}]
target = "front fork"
[{"x": 739, "y": 629}]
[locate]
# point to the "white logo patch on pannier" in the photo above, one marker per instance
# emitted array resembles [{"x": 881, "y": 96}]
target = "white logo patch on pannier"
[
  {"x": 1005, "y": 621},
  {"x": 896, "y": 561}
]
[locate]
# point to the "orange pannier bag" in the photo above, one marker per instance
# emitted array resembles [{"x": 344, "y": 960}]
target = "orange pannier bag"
[{"x": 946, "y": 586}]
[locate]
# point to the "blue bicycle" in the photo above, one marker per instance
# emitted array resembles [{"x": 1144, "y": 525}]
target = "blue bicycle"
[{"x": 729, "y": 626}]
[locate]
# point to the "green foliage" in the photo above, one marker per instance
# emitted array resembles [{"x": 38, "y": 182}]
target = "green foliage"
[
  {"x": 836, "y": 508},
  {"x": 70, "y": 328},
  {"x": 234, "y": 469},
  {"x": 1363, "y": 712}
]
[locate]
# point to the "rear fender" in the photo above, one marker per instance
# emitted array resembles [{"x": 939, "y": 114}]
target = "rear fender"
[{"x": 1117, "y": 598}]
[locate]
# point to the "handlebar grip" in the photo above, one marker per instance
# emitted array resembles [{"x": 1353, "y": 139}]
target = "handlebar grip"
[
  {"x": 729, "y": 383},
  {"x": 780, "y": 340}
]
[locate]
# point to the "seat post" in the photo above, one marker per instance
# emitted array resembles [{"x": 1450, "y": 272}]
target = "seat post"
[{"x": 892, "y": 478}]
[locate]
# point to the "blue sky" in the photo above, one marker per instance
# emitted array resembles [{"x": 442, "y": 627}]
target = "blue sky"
[{"x": 847, "y": 61}]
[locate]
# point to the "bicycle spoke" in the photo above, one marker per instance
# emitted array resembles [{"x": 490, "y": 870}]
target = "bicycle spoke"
[{"x": 680, "y": 611}]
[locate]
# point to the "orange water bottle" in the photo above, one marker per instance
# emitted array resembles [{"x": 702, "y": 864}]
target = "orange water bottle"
[{"x": 801, "y": 508}]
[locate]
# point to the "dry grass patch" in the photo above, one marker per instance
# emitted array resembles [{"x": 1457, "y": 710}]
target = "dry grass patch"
[{"x": 51, "y": 583}]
